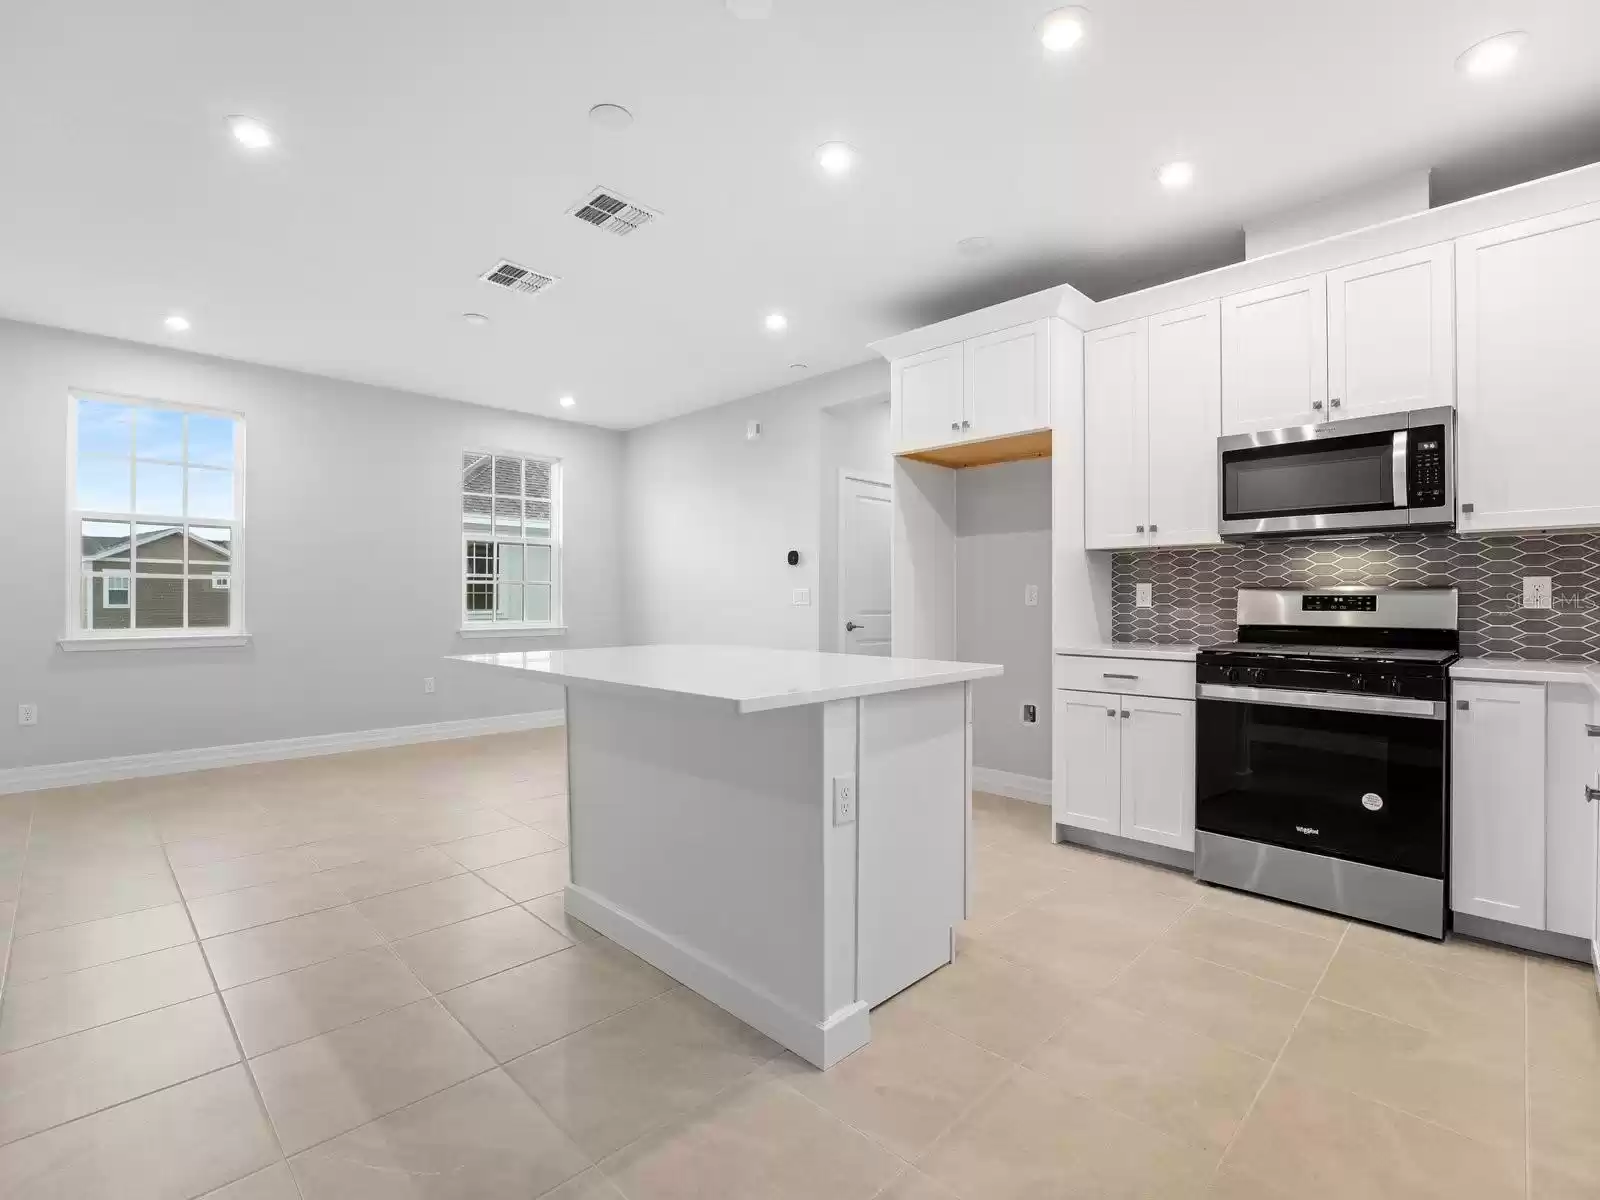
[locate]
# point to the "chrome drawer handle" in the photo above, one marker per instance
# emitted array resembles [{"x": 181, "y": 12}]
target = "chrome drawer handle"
[
  {"x": 1594, "y": 730},
  {"x": 1591, "y": 794},
  {"x": 1124, "y": 714},
  {"x": 1114, "y": 675},
  {"x": 1111, "y": 712}
]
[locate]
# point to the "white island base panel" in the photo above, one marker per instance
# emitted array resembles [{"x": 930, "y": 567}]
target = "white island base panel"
[{"x": 704, "y": 840}]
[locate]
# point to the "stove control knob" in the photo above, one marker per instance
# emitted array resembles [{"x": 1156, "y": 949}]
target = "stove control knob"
[
  {"x": 1395, "y": 685},
  {"x": 1231, "y": 674},
  {"x": 1356, "y": 681},
  {"x": 1255, "y": 676}
]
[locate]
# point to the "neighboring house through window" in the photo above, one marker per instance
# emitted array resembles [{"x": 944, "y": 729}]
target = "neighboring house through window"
[
  {"x": 511, "y": 540},
  {"x": 155, "y": 534}
]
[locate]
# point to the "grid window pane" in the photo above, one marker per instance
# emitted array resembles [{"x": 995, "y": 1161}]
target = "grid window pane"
[
  {"x": 510, "y": 561},
  {"x": 158, "y": 543},
  {"x": 475, "y": 513},
  {"x": 480, "y": 601},
  {"x": 536, "y": 474},
  {"x": 158, "y": 433},
  {"x": 210, "y": 548},
  {"x": 508, "y": 477},
  {"x": 158, "y": 489},
  {"x": 209, "y": 604},
  {"x": 95, "y": 613},
  {"x": 159, "y": 603},
  {"x": 537, "y": 602},
  {"x": 210, "y": 440},
  {"x": 507, "y": 516},
  {"x": 210, "y": 494},
  {"x": 507, "y": 501},
  {"x": 104, "y": 484},
  {"x": 508, "y": 602},
  {"x": 538, "y": 514},
  {"x": 105, "y": 428},
  {"x": 480, "y": 560},
  {"x": 538, "y": 562},
  {"x": 105, "y": 542},
  {"x": 477, "y": 473}
]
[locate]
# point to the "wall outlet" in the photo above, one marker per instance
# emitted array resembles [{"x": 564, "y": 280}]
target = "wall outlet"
[
  {"x": 1030, "y": 595},
  {"x": 844, "y": 799},
  {"x": 1030, "y": 714},
  {"x": 1536, "y": 591},
  {"x": 427, "y": 685},
  {"x": 801, "y": 597},
  {"x": 1143, "y": 595},
  {"x": 27, "y": 714},
  {"x": 752, "y": 431}
]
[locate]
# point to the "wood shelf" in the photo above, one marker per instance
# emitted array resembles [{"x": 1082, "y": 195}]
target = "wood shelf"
[{"x": 1013, "y": 448}]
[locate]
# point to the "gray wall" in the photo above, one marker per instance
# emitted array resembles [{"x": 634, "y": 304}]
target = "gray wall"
[
  {"x": 351, "y": 491},
  {"x": 1003, "y": 516}
]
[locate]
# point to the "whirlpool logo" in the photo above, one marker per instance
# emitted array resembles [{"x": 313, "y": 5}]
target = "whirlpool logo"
[{"x": 1308, "y": 831}]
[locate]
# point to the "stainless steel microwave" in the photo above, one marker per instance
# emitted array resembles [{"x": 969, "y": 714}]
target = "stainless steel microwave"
[{"x": 1388, "y": 472}]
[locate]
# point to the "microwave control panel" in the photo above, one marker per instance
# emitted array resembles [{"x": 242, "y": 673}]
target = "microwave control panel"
[{"x": 1426, "y": 468}]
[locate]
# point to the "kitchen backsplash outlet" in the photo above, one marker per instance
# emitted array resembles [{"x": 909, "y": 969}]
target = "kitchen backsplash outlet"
[{"x": 1194, "y": 590}]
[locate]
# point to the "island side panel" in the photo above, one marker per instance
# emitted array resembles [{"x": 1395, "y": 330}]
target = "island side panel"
[
  {"x": 840, "y": 986},
  {"x": 701, "y": 825},
  {"x": 912, "y": 835}
]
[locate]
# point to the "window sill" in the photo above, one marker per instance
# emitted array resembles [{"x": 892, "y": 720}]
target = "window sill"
[
  {"x": 504, "y": 631},
  {"x": 178, "y": 641}
]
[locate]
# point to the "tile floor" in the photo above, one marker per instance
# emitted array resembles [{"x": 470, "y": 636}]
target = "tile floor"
[{"x": 351, "y": 977}]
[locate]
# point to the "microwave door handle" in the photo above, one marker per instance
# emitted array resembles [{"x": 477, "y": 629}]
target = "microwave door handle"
[{"x": 1398, "y": 465}]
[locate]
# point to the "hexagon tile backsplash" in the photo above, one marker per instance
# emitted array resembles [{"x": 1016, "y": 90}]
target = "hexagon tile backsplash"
[{"x": 1194, "y": 590}]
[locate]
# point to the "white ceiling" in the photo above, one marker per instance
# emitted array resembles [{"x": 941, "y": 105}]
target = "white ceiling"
[{"x": 420, "y": 142}]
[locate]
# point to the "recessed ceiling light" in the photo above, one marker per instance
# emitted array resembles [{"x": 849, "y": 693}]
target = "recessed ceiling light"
[
  {"x": 777, "y": 322},
  {"x": 1063, "y": 29},
  {"x": 249, "y": 132},
  {"x": 1176, "y": 176},
  {"x": 566, "y": 402},
  {"x": 836, "y": 158},
  {"x": 975, "y": 245},
  {"x": 178, "y": 324},
  {"x": 799, "y": 366},
  {"x": 611, "y": 116},
  {"x": 1492, "y": 56},
  {"x": 475, "y": 318}
]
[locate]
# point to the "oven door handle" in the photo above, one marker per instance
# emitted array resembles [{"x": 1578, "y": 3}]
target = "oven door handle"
[{"x": 1392, "y": 706}]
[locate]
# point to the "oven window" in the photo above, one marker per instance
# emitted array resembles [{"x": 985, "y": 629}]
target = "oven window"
[
  {"x": 1347, "y": 474},
  {"x": 1363, "y": 786}
]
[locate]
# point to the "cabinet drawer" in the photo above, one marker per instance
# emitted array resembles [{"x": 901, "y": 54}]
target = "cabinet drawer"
[{"x": 1127, "y": 676}]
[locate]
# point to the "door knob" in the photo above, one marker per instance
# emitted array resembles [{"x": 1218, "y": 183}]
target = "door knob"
[{"x": 851, "y": 626}]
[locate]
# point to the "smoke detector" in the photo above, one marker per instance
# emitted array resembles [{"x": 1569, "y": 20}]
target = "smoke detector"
[
  {"x": 605, "y": 209},
  {"x": 515, "y": 278}
]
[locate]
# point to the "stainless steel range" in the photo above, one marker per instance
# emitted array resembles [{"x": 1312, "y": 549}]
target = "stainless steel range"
[{"x": 1322, "y": 762}]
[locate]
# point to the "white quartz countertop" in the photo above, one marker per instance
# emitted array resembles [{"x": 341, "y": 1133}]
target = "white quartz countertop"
[
  {"x": 1516, "y": 670},
  {"x": 1145, "y": 650},
  {"x": 752, "y": 678}
]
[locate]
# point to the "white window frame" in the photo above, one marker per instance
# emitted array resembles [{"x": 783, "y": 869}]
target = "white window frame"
[
  {"x": 77, "y": 635},
  {"x": 478, "y": 628},
  {"x": 124, "y": 583}
]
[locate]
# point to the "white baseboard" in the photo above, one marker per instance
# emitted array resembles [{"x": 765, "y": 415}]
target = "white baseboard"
[
  {"x": 820, "y": 1043},
  {"x": 171, "y": 762},
  {"x": 1008, "y": 783}
]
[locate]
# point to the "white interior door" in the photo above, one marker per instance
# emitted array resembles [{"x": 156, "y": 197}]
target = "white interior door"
[{"x": 865, "y": 514}]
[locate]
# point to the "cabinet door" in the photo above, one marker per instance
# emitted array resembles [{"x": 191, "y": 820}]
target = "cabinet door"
[
  {"x": 1087, "y": 757},
  {"x": 1570, "y": 818},
  {"x": 1391, "y": 334},
  {"x": 1275, "y": 356},
  {"x": 927, "y": 393},
  {"x": 1158, "y": 771},
  {"x": 1185, "y": 418},
  {"x": 1008, "y": 381},
  {"x": 1497, "y": 802},
  {"x": 1527, "y": 311},
  {"x": 1116, "y": 456}
]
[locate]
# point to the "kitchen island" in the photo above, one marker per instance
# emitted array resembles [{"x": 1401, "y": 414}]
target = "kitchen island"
[{"x": 785, "y": 832}]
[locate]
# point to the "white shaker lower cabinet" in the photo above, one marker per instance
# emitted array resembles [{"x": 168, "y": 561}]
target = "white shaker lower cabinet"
[
  {"x": 1158, "y": 771},
  {"x": 1088, "y": 761},
  {"x": 1497, "y": 819}
]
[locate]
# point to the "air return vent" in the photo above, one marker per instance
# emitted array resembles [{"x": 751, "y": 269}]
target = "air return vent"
[
  {"x": 515, "y": 278},
  {"x": 605, "y": 209}
]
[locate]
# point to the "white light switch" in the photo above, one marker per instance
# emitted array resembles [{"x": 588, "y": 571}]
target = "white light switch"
[
  {"x": 1030, "y": 595},
  {"x": 844, "y": 799},
  {"x": 1536, "y": 591},
  {"x": 801, "y": 597},
  {"x": 1143, "y": 596}
]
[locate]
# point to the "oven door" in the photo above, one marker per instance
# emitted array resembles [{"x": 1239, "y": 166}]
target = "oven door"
[{"x": 1364, "y": 780}]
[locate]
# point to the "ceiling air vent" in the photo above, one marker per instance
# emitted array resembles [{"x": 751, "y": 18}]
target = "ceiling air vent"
[
  {"x": 604, "y": 209},
  {"x": 517, "y": 279}
]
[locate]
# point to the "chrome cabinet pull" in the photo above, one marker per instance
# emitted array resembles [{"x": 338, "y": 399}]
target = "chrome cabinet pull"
[
  {"x": 1124, "y": 714},
  {"x": 1111, "y": 712},
  {"x": 1463, "y": 705},
  {"x": 955, "y": 424},
  {"x": 1591, "y": 794},
  {"x": 1114, "y": 675},
  {"x": 1138, "y": 528},
  {"x": 1152, "y": 527},
  {"x": 1467, "y": 508},
  {"x": 1594, "y": 730},
  {"x": 1317, "y": 404},
  {"x": 966, "y": 424},
  {"x": 1335, "y": 402}
]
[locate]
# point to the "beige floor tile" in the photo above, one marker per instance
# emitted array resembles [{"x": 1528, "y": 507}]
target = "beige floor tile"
[
  {"x": 177, "y": 1143},
  {"x": 1112, "y": 872},
  {"x": 905, "y": 1087},
  {"x": 591, "y": 1185},
  {"x": 1174, "y": 1079},
  {"x": 988, "y": 999},
  {"x": 552, "y": 911},
  {"x": 232, "y": 874},
  {"x": 251, "y": 954},
  {"x": 1231, "y": 1183},
  {"x": 1082, "y": 934},
  {"x": 271, "y": 1183},
  {"x": 613, "y": 1081},
  {"x": 379, "y": 876},
  {"x": 1564, "y": 1133},
  {"x": 1463, "y": 956},
  {"x": 299, "y": 1004},
  {"x": 1273, "y": 912},
  {"x": 1490, "y": 1015},
  {"x": 75, "y": 866},
  {"x": 229, "y": 912},
  {"x": 430, "y": 905},
  {"x": 1243, "y": 1011},
  {"x": 108, "y": 896},
  {"x": 757, "y": 1139},
  {"x": 505, "y": 845},
  {"x": 63, "y": 1004},
  {"x": 482, "y": 1139},
  {"x": 1029, "y": 1140},
  {"x": 338, "y": 1081},
  {"x": 1005, "y": 882},
  {"x": 1563, "y": 1018},
  {"x": 530, "y": 1006},
  {"x": 912, "y": 1184},
  {"x": 1441, "y": 1078},
  {"x": 457, "y": 954},
  {"x": 93, "y": 943},
  {"x": 529, "y": 878},
  {"x": 1296, "y": 960},
  {"x": 53, "y": 1082},
  {"x": 1318, "y": 1142}
]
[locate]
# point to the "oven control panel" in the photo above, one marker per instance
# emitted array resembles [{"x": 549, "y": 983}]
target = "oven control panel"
[
  {"x": 1425, "y": 468},
  {"x": 1390, "y": 679}
]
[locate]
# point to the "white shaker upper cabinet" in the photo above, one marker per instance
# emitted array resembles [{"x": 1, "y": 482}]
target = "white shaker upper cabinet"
[
  {"x": 1158, "y": 771},
  {"x": 928, "y": 393},
  {"x": 1185, "y": 419},
  {"x": 1116, "y": 454},
  {"x": 1528, "y": 360},
  {"x": 1008, "y": 381},
  {"x": 1275, "y": 356},
  {"x": 1391, "y": 336},
  {"x": 1088, "y": 761},
  {"x": 1497, "y": 811}
]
